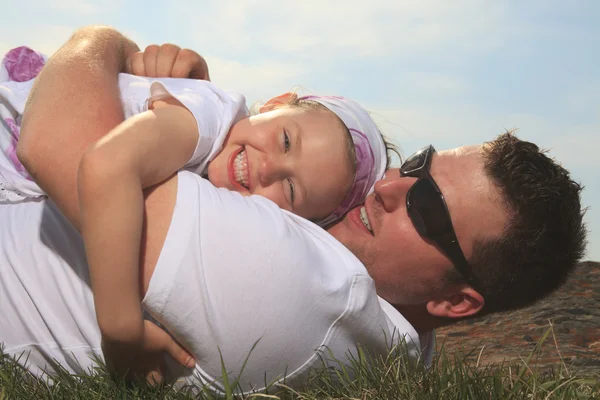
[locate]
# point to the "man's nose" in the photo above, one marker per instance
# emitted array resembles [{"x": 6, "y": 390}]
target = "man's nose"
[
  {"x": 269, "y": 170},
  {"x": 392, "y": 191}
]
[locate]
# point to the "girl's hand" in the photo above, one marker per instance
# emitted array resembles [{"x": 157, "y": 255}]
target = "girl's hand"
[
  {"x": 167, "y": 61},
  {"x": 144, "y": 358}
]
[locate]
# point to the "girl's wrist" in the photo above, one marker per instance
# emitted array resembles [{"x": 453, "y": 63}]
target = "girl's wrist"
[{"x": 125, "y": 328}]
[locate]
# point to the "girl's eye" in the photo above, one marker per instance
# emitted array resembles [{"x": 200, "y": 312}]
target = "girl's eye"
[
  {"x": 292, "y": 192},
  {"x": 286, "y": 141}
]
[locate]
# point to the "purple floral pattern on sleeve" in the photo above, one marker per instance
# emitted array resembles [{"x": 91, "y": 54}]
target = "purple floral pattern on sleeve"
[
  {"x": 23, "y": 64},
  {"x": 12, "y": 149}
]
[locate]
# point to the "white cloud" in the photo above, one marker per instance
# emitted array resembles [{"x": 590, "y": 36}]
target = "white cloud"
[
  {"x": 451, "y": 126},
  {"x": 258, "y": 82},
  {"x": 314, "y": 29},
  {"x": 584, "y": 97},
  {"x": 576, "y": 146},
  {"x": 5, "y": 47},
  {"x": 73, "y": 7},
  {"x": 44, "y": 38},
  {"x": 441, "y": 84}
]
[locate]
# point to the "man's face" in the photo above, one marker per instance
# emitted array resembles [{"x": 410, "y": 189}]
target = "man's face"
[{"x": 407, "y": 268}]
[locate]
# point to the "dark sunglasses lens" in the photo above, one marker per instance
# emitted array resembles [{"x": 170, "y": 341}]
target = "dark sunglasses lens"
[
  {"x": 415, "y": 161},
  {"x": 429, "y": 213}
]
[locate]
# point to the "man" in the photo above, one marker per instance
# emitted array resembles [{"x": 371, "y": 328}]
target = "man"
[{"x": 515, "y": 232}]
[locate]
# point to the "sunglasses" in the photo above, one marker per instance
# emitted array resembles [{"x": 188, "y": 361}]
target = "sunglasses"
[{"x": 429, "y": 212}]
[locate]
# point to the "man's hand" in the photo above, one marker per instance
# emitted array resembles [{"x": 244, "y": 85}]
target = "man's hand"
[
  {"x": 167, "y": 61},
  {"x": 145, "y": 357}
]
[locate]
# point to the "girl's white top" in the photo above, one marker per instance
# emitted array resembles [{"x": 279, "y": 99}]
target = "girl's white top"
[{"x": 214, "y": 109}]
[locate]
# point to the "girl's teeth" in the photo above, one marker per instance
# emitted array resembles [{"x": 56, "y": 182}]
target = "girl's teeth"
[{"x": 240, "y": 169}]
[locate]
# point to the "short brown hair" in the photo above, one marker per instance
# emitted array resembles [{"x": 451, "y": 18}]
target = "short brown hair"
[{"x": 545, "y": 236}]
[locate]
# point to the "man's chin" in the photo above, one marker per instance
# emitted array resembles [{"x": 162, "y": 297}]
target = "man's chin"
[
  {"x": 338, "y": 229},
  {"x": 347, "y": 234}
]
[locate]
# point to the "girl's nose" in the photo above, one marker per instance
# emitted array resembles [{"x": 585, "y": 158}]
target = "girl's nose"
[{"x": 269, "y": 170}]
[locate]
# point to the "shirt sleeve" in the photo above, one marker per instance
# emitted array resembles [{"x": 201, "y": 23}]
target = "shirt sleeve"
[{"x": 215, "y": 111}]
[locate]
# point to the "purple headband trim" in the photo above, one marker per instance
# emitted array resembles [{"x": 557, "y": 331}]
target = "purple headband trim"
[
  {"x": 364, "y": 177},
  {"x": 320, "y": 97}
]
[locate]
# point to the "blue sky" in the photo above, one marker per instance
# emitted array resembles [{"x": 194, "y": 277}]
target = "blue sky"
[{"x": 448, "y": 73}]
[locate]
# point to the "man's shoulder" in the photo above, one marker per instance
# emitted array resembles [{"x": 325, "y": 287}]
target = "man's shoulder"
[
  {"x": 255, "y": 272},
  {"x": 251, "y": 240},
  {"x": 254, "y": 217}
]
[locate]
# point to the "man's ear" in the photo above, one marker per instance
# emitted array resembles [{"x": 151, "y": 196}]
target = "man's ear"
[
  {"x": 464, "y": 302},
  {"x": 278, "y": 101}
]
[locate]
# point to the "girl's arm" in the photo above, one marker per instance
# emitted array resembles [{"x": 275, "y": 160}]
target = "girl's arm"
[{"x": 140, "y": 152}]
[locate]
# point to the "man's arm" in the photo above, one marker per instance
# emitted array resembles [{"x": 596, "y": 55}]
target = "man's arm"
[{"x": 73, "y": 103}]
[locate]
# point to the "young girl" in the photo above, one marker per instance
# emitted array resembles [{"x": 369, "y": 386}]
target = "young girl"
[
  {"x": 316, "y": 134},
  {"x": 317, "y": 157}
]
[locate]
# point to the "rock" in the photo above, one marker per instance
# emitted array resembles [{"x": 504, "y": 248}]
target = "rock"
[{"x": 573, "y": 312}]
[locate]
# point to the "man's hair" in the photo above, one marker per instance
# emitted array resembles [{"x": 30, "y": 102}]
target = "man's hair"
[{"x": 544, "y": 237}]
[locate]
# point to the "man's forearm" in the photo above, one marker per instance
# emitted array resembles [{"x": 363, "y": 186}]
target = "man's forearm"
[{"x": 74, "y": 102}]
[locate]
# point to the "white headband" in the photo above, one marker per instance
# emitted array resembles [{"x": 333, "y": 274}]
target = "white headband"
[{"x": 371, "y": 153}]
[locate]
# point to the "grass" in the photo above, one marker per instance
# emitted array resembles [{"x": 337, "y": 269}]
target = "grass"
[{"x": 390, "y": 377}]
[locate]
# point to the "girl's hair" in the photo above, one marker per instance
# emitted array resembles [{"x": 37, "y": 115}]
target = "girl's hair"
[
  {"x": 351, "y": 153},
  {"x": 389, "y": 146},
  {"x": 295, "y": 102}
]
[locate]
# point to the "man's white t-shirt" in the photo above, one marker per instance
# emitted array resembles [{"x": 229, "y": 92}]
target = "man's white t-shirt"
[
  {"x": 215, "y": 110},
  {"x": 234, "y": 273}
]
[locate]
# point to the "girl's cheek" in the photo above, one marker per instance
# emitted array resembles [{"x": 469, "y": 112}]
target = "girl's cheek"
[
  {"x": 274, "y": 195},
  {"x": 265, "y": 140}
]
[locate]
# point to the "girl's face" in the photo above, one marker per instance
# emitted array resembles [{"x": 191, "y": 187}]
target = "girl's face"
[{"x": 292, "y": 156}]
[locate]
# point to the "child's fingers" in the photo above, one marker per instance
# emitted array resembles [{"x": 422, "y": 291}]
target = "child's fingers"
[
  {"x": 179, "y": 354},
  {"x": 158, "y": 339},
  {"x": 154, "y": 377}
]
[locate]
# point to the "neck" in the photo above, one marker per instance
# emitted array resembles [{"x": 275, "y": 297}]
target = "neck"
[{"x": 420, "y": 319}]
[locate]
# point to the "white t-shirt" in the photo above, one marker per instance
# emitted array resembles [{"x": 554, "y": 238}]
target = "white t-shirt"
[
  {"x": 234, "y": 272},
  {"x": 214, "y": 109}
]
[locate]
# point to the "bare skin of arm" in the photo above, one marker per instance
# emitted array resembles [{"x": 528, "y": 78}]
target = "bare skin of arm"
[
  {"x": 140, "y": 152},
  {"x": 62, "y": 119},
  {"x": 59, "y": 122}
]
